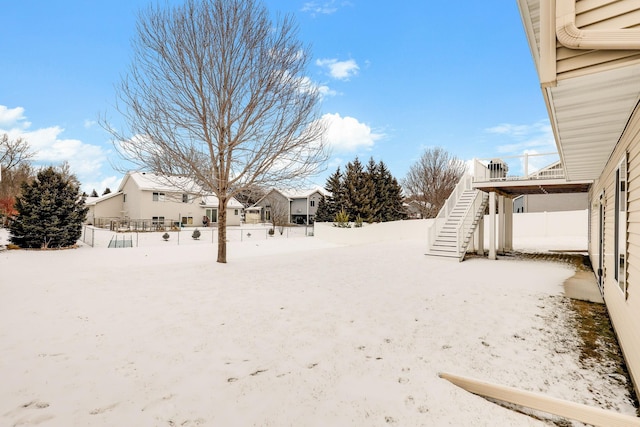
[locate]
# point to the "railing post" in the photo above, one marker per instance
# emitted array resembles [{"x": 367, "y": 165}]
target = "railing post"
[{"x": 526, "y": 165}]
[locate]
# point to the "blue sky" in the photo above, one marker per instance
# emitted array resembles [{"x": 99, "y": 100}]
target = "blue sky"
[{"x": 397, "y": 79}]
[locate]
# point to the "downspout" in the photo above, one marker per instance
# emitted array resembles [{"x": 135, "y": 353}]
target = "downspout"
[{"x": 574, "y": 38}]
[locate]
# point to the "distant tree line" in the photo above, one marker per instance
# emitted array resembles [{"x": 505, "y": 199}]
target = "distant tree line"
[{"x": 369, "y": 194}]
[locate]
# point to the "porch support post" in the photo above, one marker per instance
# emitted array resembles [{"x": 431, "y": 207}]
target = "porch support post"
[
  {"x": 508, "y": 222},
  {"x": 479, "y": 236},
  {"x": 492, "y": 225},
  {"x": 501, "y": 224}
]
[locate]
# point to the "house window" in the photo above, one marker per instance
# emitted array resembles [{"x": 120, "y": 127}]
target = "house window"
[
  {"x": 267, "y": 215},
  {"x": 124, "y": 197},
  {"x": 157, "y": 222},
  {"x": 185, "y": 198},
  {"x": 620, "y": 227},
  {"x": 235, "y": 211},
  {"x": 158, "y": 197},
  {"x": 187, "y": 220},
  {"x": 312, "y": 203},
  {"x": 212, "y": 215}
]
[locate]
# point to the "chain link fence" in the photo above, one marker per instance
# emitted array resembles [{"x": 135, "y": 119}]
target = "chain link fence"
[{"x": 104, "y": 238}]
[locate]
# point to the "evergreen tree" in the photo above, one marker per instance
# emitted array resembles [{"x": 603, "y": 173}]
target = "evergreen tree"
[
  {"x": 390, "y": 194},
  {"x": 373, "y": 188},
  {"x": 50, "y": 212},
  {"x": 94, "y": 193},
  {"x": 106, "y": 191},
  {"x": 335, "y": 200},
  {"x": 322, "y": 213},
  {"x": 356, "y": 196},
  {"x": 372, "y": 194}
]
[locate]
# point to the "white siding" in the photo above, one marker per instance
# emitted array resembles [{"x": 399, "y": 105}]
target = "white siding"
[{"x": 624, "y": 313}]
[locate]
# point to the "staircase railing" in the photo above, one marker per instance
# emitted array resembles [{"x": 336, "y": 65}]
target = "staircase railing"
[
  {"x": 440, "y": 219},
  {"x": 467, "y": 225}
]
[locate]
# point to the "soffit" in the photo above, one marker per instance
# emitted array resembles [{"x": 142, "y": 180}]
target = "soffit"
[{"x": 590, "y": 114}]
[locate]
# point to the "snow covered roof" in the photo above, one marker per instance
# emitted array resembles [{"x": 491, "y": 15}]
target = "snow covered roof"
[
  {"x": 90, "y": 201},
  {"x": 152, "y": 182},
  {"x": 212, "y": 202},
  {"x": 295, "y": 193}
]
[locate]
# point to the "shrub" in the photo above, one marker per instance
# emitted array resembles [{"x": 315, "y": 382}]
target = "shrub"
[
  {"x": 166, "y": 236},
  {"x": 341, "y": 219},
  {"x": 358, "y": 222},
  {"x": 196, "y": 234}
]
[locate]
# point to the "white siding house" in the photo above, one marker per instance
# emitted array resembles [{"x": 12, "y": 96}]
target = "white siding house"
[
  {"x": 151, "y": 198},
  {"x": 587, "y": 54}
]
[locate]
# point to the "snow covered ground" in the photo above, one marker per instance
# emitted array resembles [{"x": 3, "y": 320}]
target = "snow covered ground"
[{"x": 291, "y": 331}]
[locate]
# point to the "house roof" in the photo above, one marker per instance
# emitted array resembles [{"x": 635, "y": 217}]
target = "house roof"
[
  {"x": 90, "y": 201},
  {"x": 152, "y": 182},
  {"x": 211, "y": 201},
  {"x": 303, "y": 193}
]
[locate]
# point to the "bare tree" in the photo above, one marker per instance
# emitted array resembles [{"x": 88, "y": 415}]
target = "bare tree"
[
  {"x": 218, "y": 92},
  {"x": 432, "y": 178},
  {"x": 13, "y": 152},
  {"x": 278, "y": 206},
  {"x": 15, "y": 169},
  {"x": 250, "y": 195}
]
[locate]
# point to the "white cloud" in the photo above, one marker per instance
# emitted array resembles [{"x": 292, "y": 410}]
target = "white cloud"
[
  {"x": 51, "y": 148},
  {"x": 346, "y": 134},
  {"x": 88, "y": 124},
  {"x": 535, "y": 139},
  {"x": 326, "y": 91},
  {"x": 323, "y": 8},
  {"x": 341, "y": 70},
  {"x": 517, "y": 139},
  {"x": 12, "y": 117}
]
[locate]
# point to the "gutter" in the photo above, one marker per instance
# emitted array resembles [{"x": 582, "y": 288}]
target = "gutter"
[{"x": 574, "y": 38}]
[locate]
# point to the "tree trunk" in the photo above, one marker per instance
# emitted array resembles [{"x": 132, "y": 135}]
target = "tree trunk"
[{"x": 222, "y": 230}]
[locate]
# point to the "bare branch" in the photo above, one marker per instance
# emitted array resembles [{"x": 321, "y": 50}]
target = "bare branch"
[
  {"x": 432, "y": 178},
  {"x": 218, "y": 92},
  {"x": 14, "y": 151}
]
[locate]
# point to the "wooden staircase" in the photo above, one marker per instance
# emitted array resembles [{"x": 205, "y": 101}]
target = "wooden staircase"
[{"x": 454, "y": 227}]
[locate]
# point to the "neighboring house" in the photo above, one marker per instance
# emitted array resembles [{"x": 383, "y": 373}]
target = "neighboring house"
[
  {"x": 415, "y": 209},
  {"x": 300, "y": 206},
  {"x": 148, "y": 198},
  {"x": 587, "y": 55}
]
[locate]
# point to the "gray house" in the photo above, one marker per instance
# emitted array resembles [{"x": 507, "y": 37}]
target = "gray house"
[{"x": 293, "y": 206}]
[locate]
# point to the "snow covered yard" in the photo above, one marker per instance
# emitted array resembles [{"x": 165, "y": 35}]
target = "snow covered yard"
[{"x": 289, "y": 332}]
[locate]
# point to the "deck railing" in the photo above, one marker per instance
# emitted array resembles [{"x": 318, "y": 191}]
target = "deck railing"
[
  {"x": 527, "y": 166},
  {"x": 468, "y": 223}
]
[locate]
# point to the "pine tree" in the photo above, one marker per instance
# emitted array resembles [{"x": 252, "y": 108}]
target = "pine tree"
[
  {"x": 335, "y": 200},
  {"x": 94, "y": 193},
  {"x": 355, "y": 196},
  {"x": 322, "y": 213},
  {"x": 373, "y": 188},
  {"x": 50, "y": 212},
  {"x": 106, "y": 191},
  {"x": 390, "y": 194}
]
